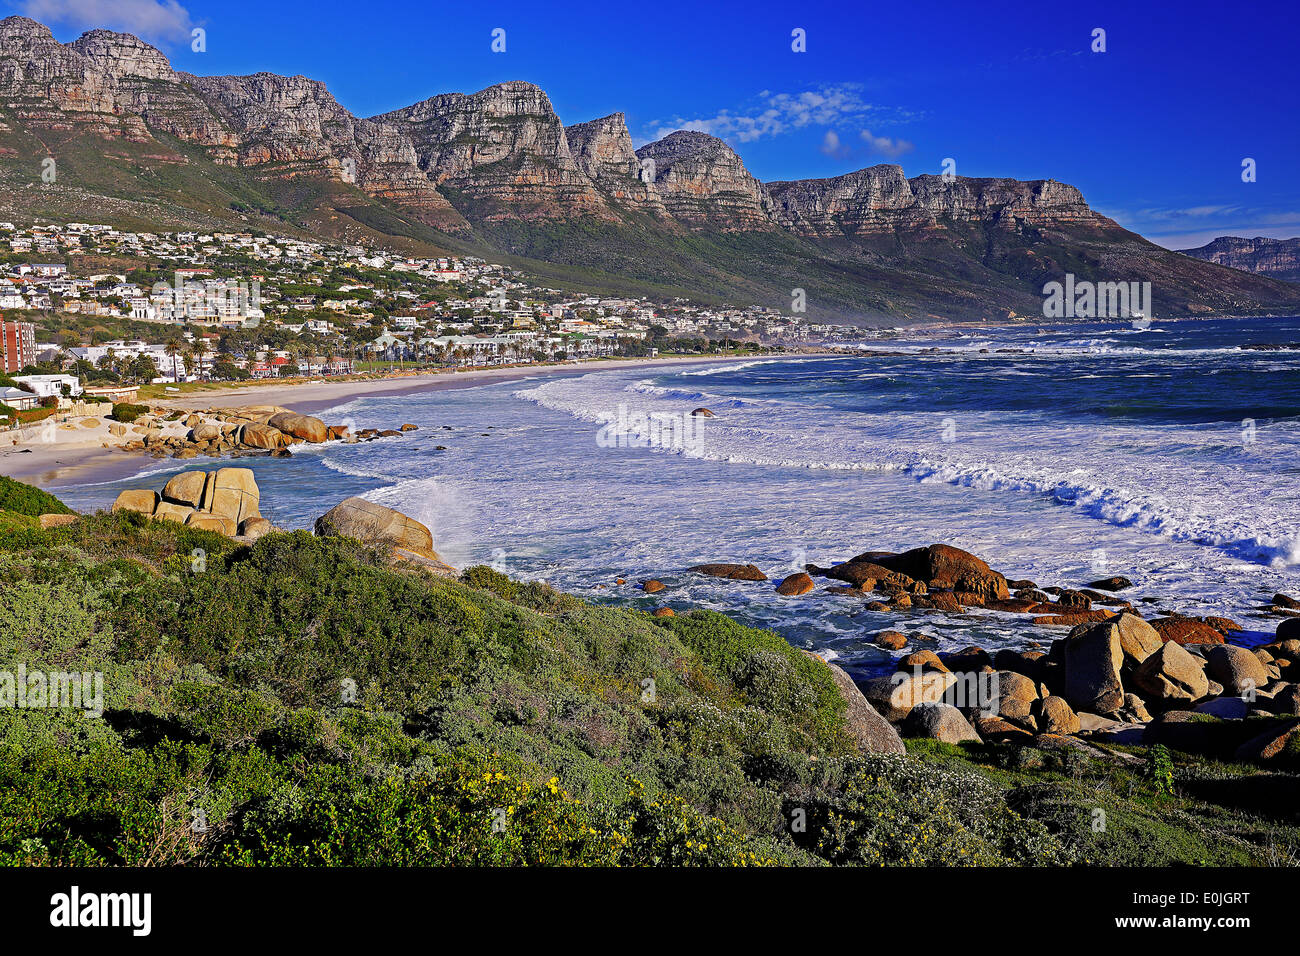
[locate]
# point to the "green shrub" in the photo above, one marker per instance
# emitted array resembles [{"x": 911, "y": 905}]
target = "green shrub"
[
  {"x": 127, "y": 412},
  {"x": 313, "y": 706},
  {"x": 23, "y": 499},
  {"x": 895, "y": 811}
]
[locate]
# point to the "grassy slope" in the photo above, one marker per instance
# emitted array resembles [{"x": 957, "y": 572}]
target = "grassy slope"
[{"x": 478, "y": 701}]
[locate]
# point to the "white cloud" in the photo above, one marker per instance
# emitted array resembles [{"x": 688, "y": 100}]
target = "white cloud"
[
  {"x": 157, "y": 21},
  {"x": 884, "y": 146},
  {"x": 832, "y": 146},
  {"x": 775, "y": 113}
]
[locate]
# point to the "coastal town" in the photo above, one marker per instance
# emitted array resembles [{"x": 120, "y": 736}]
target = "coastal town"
[{"x": 94, "y": 307}]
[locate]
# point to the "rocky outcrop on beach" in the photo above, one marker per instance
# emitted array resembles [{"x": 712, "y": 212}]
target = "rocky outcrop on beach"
[
  {"x": 226, "y": 501},
  {"x": 733, "y": 572},
  {"x": 406, "y": 539},
  {"x": 233, "y": 432}
]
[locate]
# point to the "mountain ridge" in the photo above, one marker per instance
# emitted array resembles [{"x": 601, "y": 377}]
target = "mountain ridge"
[
  {"x": 1277, "y": 258},
  {"x": 497, "y": 172}
]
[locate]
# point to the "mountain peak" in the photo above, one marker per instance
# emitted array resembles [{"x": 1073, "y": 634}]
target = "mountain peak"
[
  {"x": 25, "y": 26},
  {"x": 705, "y": 184},
  {"x": 122, "y": 54}
]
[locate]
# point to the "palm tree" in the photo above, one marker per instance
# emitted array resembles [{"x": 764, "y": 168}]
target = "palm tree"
[
  {"x": 200, "y": 350},
  {"x": 173, "y": 348}
]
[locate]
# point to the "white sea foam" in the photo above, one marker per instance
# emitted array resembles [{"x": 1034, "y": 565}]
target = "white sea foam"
[{"x": 1139, "y": 477}]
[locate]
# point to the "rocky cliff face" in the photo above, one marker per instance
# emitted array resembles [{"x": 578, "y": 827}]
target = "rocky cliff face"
[
  {"x": 114, "y": 85},
  {"x": 882, "y": 200},
  {"x": 49, "y": 86},
  {"x": 499, "y": 163},
  {"x": 1278, "y": 258},
  {"x": 504, "y": 149},
  {"x": 602, "y": 148},
  {"x": 704, "y": 184},
  {"x": 501, "y": 153}
]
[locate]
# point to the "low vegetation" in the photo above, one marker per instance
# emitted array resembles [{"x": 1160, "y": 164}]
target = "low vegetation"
[
  {"x": 298, "y": 702},
  {"x": 19, "y": 498},
  {"x": 128, "y": 412}
]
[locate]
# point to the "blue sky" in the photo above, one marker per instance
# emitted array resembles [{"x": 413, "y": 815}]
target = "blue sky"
[{"x": 1154, "y": 130}]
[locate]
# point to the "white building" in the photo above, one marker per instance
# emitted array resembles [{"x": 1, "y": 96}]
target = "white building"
[{"x": 46, "y": 386}]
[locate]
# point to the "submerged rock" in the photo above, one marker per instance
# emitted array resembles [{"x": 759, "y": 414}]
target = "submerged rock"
[
  {"x": 733, "y": 572},
  {"x": 1116, "y": 583},
  {"x": 1186, "y": 630},
  {"x": 795, "y": 585}
]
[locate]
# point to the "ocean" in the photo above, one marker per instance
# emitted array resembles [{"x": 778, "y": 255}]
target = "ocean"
[{"x": 1168, "y": 454}]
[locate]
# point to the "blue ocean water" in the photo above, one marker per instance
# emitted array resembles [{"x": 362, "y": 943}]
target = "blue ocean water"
[{"x": 1168, "y": 454}]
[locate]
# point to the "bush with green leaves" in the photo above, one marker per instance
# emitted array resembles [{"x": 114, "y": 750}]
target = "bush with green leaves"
[
  {"x": 23, "y": 499},
  {"x": 300, "y": 702},
  {"x": 128, "y": 412}
]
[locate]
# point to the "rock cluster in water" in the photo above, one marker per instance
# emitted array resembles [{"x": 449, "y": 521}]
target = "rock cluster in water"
[{"x": 1113, "y": 678}]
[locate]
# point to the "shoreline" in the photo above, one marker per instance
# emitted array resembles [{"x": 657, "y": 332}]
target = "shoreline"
[
  {"x": 310, "y": 397},
  {"x": 86, "y": 461}
]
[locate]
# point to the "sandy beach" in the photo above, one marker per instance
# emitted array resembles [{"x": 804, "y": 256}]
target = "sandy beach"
[
  {"x": 310, "y": 397},
  {"x": 72, "y": 453}
]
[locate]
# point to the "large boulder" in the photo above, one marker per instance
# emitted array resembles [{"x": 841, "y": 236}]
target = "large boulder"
[
  {"x": 1013, "y": 686},
  {"x": 300, "y": 426},
  {"x": 1172, "y": 673},
  {"x": 232, "y": 493},
  {"x": 170, "y": 511},
  {"x": 938, "y": 721},
  {"x": 1055, "y": 716},
  {"x": 943, "y": 566},
  {"x": 254, "y": 528},
  {"x": 204, "y": 521},
  {"x": 256, "y": 413},
  {"x": 375, "y": 524},
  {"x": 256, "y": 435},
  {"x": 894, "y": 697},
  {"x": 1137, "y": 639},
  {"x": 186, "y": 488},
  {"x": 1093, "y": 658},
  {"x": 869, "y": 730},
  {"x": 136, "y": 499},
  {"x": 1288, "y": 629},
  {"x": 1278, "y": 741},
  {"x": 867, "y": 575},
  {"x": 206, "y": 431},
  {"x": 1237, "y": 669},
  {"x": 734, "y": 572}
]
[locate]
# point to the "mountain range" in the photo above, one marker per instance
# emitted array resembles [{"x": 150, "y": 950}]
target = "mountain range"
[
  {"x": 496, "y": 173},
  {"x": 1279, "y": 258}
]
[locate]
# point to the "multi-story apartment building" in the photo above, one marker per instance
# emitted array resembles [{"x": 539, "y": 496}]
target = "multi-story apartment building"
[{"x": 17, "y": 346}]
